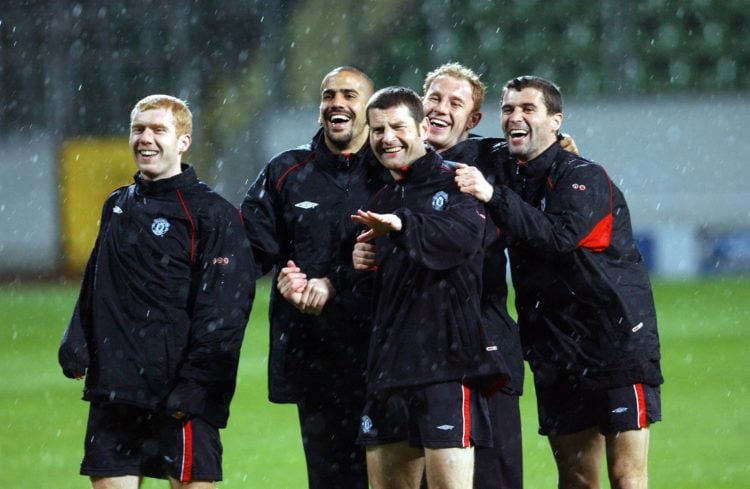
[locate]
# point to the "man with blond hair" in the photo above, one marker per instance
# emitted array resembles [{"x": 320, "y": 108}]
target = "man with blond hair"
[{"x": 160, "y": 318}]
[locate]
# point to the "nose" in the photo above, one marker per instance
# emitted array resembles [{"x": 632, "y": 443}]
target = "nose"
[
  {"x": 388, "y": 134},
  {"x": 146, "y": 135},
  {"x": 442, "y": 106},
  {"x": 338, "y": 100}
]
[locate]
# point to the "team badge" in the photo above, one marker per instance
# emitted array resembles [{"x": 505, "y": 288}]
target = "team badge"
[
  {"x": 306, "y": 205},
  {"x": 439, "y": 200},
  {"x": 366, "y": 424},
  {"x": 160, "y": 226}
]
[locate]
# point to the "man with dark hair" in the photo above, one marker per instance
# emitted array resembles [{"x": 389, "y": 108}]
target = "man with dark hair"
[
  {"x": 429, "y": 357},
  {"x": 159, "y": 322},
  {"x": 583, "y": 295},
  {"x": 295, "y": 216}
]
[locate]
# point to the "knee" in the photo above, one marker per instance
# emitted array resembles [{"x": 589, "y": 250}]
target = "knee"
[
  {"x": 627, "y": 480},
  {"x": 576, "y": 479}
]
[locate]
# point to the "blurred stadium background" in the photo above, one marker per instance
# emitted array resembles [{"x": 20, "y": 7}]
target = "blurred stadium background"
[{"x": 658, "y": 91}]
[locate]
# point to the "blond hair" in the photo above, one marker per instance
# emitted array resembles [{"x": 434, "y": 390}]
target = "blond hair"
[
  {"x": 183, "y": 118},
  {"x": 460, "y": 72}
]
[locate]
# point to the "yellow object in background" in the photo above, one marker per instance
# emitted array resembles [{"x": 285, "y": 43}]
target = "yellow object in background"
[{"x": 90, "y": 169}]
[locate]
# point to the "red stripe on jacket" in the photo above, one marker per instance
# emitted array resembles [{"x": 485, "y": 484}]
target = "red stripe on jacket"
[
  {"x": 600, "y": 237},
  {"x": 192, "y": 228}
]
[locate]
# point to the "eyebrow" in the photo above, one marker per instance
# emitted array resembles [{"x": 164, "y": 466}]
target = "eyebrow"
[{"x": 344, "y": 90}]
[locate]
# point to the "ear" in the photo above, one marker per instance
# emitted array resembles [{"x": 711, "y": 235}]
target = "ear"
[
  {"x": 424, "y": 128},
  {"x": 557, "y": 121},
  {"x": 474, "y": 119},
  {"x": 183, "y": 143}
]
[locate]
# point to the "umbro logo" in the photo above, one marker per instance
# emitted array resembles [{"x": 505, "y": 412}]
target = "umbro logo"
[
  {"x": 117, "y": 210},
  {"x": 306, "y": 205},
  {"x": 446, "y": 427},
  {"x": 619, "y": 410}
]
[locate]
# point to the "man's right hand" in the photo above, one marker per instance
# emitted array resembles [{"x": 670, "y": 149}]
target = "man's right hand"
[
  {"x": 308, "y": 296},
  {"x": 363, "y": 256},
  {"x": 291, "y": 283}
]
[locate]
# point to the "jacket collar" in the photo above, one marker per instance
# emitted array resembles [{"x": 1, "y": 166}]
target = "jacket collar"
[
  {"x": 540, "y": 165},
  {"x": 422, "y": 166},
  {"x": 181, "y": 180},
  {"x": 338, "y": 161}
]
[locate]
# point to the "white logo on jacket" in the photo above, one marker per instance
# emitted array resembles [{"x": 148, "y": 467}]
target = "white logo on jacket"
[
  {"x": 117, "y": 210},
  {"x": 439, "y": 200},
  {"x": 160, "y": 226},
  {"x": 306, "y": 205}
]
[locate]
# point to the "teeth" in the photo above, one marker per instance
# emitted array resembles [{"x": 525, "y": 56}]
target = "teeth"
[
  {"x": 391, "y": 150},
  {"x": 438, "y": 122},
  {"x": 516, "y": 133},
  {"x": 339, "y": 118},
  {"x": 148, "y": 153}
]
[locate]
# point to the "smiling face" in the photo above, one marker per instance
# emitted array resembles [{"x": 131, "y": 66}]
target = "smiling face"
[
  {"x": 343, "y": 97},
  {"x": 449, "y": 106},
  {"x": 157, "y": 148},
  {"x": 396, "y": 138},
  {"x": 528, "y": 126}
]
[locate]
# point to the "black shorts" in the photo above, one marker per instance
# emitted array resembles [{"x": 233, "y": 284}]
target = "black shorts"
[
  {"x": 127, "y": 440},
  {"x": 564, "y": 409},
  {"x": 445, "y": 415}
]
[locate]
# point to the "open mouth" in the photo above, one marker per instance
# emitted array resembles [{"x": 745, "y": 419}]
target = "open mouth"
[
  {"x": 147, "y": 153},
  {"x": 517, "y": 134},
  {"x": 338, "y": 120},
  {"x": 439, "y": 123}
]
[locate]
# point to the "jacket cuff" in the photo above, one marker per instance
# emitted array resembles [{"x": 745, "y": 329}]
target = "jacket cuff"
[{"x": 188, "y": 397}]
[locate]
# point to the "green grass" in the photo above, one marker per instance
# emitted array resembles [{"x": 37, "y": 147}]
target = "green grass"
[{"x": 705, "y": 333}]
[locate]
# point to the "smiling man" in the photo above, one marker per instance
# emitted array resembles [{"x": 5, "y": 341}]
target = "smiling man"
[
  {"x": 159, "y": 322},
  {"x": 295, "y": 216},
  {"x": 583, "y": 296},
  {"x": 429, "y": 357}
]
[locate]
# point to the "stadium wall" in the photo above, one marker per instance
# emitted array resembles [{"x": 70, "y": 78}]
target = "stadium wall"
[{"x": 682, "y": 162}]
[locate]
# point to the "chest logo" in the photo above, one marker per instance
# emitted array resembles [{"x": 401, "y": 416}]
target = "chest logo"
[
  {"x": 160, "y": 226},
  {"x": 439, "y": 200},
  {"x": 306, "y": 205},
  {"x": 117, "y": 210}
]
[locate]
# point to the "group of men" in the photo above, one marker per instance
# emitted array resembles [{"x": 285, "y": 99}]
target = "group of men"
[{"x": 387, "y": 238}]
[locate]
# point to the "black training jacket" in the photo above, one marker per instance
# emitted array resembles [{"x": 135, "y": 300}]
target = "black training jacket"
[
  {"x": 480, "y": 152},
  {"x": 427, "y": 323},
  {"x": 583, "y": 294},
  {"x": 164, "y": 301},
  {"x": 299, "y": 209}
]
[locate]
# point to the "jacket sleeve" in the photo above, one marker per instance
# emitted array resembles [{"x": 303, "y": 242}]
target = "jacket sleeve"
[
  {"x": 444, "y": 239},
  {"x": 73, "y": 353},
  {"x": 263, "y": 224},
  {"x": 576, "y": 212},
  {"x": 223, "y": 291}
]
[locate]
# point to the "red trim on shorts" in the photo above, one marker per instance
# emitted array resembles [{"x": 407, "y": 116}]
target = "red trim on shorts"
[
  {"x": 187, "y": 451},
  {"x": 466, "y": 416},
  {"x": 640, "y": 400}
]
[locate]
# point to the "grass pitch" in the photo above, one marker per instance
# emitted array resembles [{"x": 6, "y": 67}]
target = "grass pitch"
[{"x": 705, "y": 333}]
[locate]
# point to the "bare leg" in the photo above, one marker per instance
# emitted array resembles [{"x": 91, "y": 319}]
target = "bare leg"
[
  {"x": 175, "y": 484},
  {"x": 578, "y": 457},
  {"x": 449, "y": 468},
  {"x": 627, "y": 459},
  {"x": 121, "y": 482},
  {"x": 395, "y": 466}
]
